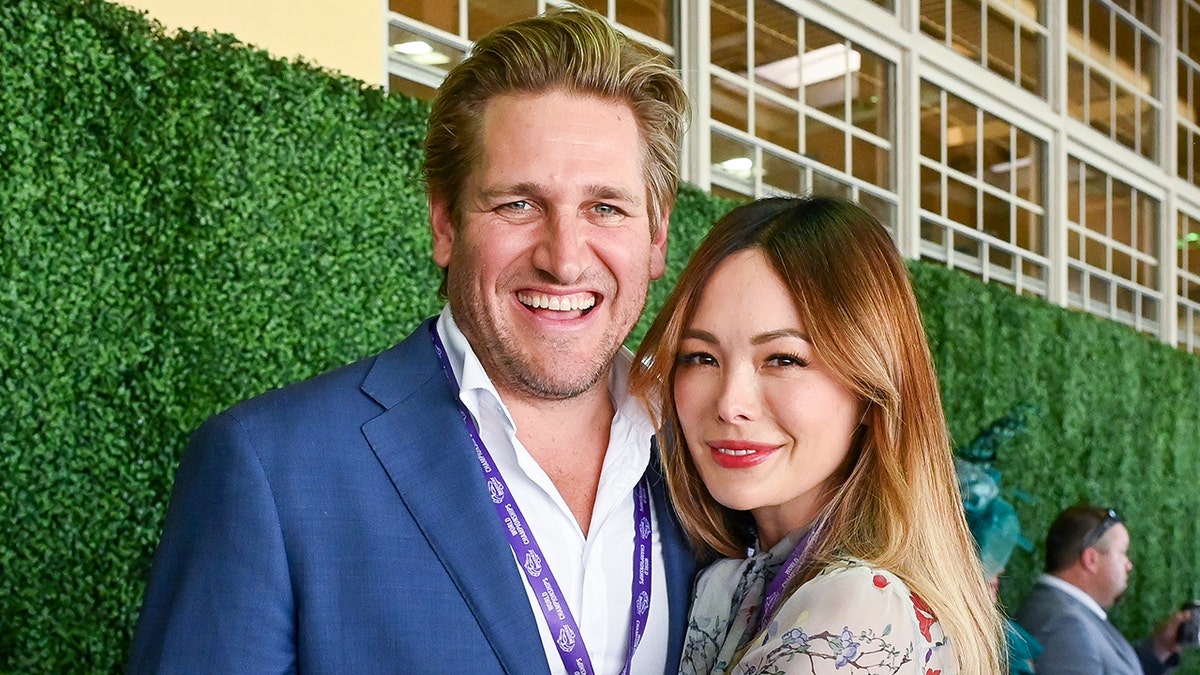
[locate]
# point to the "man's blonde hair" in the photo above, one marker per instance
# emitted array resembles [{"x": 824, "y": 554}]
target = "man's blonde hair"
[{"x": 573, "y": 50}]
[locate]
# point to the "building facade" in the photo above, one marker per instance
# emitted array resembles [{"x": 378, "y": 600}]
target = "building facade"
[{"x": 1046, "y": 145}]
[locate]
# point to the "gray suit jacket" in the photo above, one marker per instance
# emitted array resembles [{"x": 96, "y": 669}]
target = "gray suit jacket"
[{"x": 1077, "y": 641}]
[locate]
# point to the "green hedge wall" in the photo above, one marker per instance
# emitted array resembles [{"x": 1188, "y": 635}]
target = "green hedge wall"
[
  {"x": 1119, "y": 425},
  {"x": 187, "y": 222}
]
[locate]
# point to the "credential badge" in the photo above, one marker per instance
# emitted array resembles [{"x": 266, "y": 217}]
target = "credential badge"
[
  {"x": 533, "y": 564},
  {"x": 566, "y": 639},
  {"x": 496, "y": 489}
]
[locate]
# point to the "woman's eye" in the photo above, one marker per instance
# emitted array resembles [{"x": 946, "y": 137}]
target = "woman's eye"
[
  {"x": 786, "y": 361},
  {"x": 696, "y": 359}
]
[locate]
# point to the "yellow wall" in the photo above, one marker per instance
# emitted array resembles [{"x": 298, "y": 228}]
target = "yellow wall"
[{"x": 342, "y": 35}]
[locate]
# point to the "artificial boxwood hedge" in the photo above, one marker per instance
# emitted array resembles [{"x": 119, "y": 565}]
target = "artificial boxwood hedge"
[{"x": 186, "y": 222}]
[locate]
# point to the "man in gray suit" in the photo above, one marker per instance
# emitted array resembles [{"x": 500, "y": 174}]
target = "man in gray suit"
[{"x": 1087, "y": 569}]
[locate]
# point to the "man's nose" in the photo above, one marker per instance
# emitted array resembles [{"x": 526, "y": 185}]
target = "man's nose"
[{"x": 562, "y": 249}]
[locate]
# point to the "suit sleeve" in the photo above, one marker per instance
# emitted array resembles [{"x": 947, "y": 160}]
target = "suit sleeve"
[
  {"x": 1150, "y": 663},
  {"x": 219, "y": 597},
  {"x": 1068, "y": 648}
]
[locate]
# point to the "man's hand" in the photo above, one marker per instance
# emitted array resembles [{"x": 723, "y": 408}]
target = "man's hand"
[{"x": 1166, "y": 638}]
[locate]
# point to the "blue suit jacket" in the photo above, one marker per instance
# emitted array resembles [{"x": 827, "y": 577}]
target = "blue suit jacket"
[
  {"x": 1075, "y": 640},
  {"x": 339, "y": 525}
]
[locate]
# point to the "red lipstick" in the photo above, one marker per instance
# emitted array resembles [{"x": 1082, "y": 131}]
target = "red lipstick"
[{"x": 730, "y": 454}]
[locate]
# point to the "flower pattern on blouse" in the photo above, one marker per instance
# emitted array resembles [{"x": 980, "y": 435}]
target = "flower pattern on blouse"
[{"x": 851, "y": 618}]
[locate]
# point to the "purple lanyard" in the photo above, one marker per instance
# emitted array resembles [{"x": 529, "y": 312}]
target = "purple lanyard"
[
  {"x": 784, "y": 577},
  {"x": 563, "y": 626}
]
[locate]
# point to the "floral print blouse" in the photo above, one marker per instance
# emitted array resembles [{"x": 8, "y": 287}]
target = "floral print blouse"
[{"x": 851, "y": 618}]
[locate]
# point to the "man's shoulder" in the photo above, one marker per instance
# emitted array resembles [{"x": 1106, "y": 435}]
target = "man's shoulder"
[
  {"x": 371, "y": 383},
  {"x": 1047, "y": 605}
]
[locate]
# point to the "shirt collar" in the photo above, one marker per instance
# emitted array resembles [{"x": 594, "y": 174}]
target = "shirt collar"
[
  {"x": 631, "y": 422},
  {"x": 1075, "y": 592},
  {"x": 475, "y": 388}
]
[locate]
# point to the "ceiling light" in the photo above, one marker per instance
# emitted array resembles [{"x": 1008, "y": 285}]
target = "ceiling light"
[
  {"x": 811, "y": 67},
  {"x": 737, "y": 165},
  {"x": 413, "y": 47},
  {"x": 430, "y": 59},
  {"x": 1005, "y": 167}
]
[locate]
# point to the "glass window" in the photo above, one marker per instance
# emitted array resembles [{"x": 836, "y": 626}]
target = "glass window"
[
  {"x": 1008, "y": 37},
  {"x": 792, "y": 92},
  {"x": 1188, "y": 92},
  {"x": 982, "y": 205},
  {"x": 1188, "y": 283},
  {"x": 1112, "y": 248},
  {"x": 1112, "y": 80},
  {"x": 430, "y": 36},
  {"x": 439, "y": 14},
  {"x": 483, "y": 17}
]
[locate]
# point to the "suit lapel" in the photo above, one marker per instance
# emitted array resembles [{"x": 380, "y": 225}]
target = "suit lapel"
[
  {"x": 1117, "y": 642},
  {"x": 679, "y": 564},
  {"x": 422, "y": 444},
  {"x": 1121, "y": 646}
]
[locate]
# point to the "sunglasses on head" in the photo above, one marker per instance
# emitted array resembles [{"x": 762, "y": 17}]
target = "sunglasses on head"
[{"x": 1110, "y": 518}]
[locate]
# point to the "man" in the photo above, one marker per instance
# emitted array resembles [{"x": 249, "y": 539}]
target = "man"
[
  {"x": 474, "y": 499},
  {"x": 1087, "y": 569}
]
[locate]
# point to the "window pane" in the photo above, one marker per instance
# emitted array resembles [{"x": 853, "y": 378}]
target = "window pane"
[
  {"x": 436, "y": 13},
  {"x": 729, "y": 35},
  {"x": 776, "y": 123},
  {"x": 483, "y": 16},
  {"x": 652, "y": 18},
  {"x": 729, "y": 104}
]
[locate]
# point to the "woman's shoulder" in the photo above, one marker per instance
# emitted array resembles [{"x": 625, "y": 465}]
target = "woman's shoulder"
[
  {"x": 853, "y": 574},
  {"x": 858, "y": 588},
  {"x": 857, "y": 616}
]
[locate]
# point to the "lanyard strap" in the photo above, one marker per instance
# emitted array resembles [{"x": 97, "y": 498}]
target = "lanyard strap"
[
  {"x": 563, "y": 627},
  {"x": 784, "y": 577}
]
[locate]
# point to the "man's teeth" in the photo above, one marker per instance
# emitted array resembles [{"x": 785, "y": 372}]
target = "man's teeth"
[
  {"x": 736, "y": 453},
  {"x": 558, "y": 303}
]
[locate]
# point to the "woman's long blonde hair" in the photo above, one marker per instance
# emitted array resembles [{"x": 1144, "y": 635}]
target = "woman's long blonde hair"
[{"x": 899, "y": 506}]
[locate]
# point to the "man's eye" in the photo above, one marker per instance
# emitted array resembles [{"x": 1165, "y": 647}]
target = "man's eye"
[
  {"x": 520, "y": 205},
  {"x": 608, "y": 211}
]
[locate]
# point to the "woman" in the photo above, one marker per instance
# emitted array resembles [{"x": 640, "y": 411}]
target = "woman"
[{"x": 803, "y": 441}]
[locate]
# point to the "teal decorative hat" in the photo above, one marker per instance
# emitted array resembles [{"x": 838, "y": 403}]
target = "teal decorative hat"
[{"x": 992, "y": 519}]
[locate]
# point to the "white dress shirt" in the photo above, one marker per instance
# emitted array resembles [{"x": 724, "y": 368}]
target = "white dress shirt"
[{"x": 594, "y": 572}]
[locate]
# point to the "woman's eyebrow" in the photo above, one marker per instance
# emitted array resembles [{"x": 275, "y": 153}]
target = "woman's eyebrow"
[{"x": 768, "y": 336}]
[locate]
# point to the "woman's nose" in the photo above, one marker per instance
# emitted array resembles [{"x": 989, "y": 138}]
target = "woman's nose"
[{"x": 739, "y": 397}]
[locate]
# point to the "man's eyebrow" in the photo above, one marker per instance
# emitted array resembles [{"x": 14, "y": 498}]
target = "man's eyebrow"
[
  {"x": 612, "y": 192},
  {"x": 508, "y": 189}
]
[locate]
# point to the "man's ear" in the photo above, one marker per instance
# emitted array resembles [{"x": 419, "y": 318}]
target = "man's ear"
[
  {"x": 658, "y": 240},
  {"x": 1089, "y": 558},
  {"x": 441, "y": 222}
]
